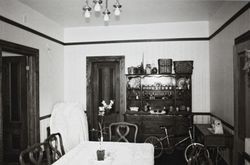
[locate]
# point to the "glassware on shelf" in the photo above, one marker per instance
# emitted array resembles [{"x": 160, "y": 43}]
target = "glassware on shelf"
[
  {"x": 147, "y": 107},
  {"x": 154, "y": 70},
  {"x": 171, "y": 108},
  {"x": 152, "y": 96},
  {"x": 148, "y": 69}
]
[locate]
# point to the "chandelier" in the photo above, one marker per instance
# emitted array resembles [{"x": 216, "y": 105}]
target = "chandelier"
[{"x": 98, "y": 7}]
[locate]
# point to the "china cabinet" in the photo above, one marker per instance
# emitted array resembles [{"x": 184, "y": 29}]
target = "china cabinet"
[{"x": 156, "y": 100}]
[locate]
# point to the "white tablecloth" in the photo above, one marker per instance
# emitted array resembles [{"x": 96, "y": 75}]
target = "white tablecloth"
[{"x": 116, "y": 153}]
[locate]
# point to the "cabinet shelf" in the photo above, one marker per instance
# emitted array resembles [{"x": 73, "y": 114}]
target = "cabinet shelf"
[
  {"x": 174, "y": 113},
  {"x": 142, "y": 75},
  {"x": 154, "y": 91},
  {"x": 133, "y": 99},
  {"x": 157, "y": 99}
]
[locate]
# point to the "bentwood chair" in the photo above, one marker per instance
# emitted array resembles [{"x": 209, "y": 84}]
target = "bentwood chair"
[
  {"x": 123, "y": 132},
  {"x": 55, "y": 145},
  {"x": 36, "y": 154}
]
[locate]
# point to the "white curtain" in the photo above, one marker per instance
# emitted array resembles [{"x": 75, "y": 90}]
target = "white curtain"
[{"x": 70, "y": 120}]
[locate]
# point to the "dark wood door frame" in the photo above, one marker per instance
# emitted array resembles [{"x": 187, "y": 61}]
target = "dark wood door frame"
[
  {"x": 89, "y": 63},
  {"x": 32, "y": 90},
  {"x": 241, "y": 43}
]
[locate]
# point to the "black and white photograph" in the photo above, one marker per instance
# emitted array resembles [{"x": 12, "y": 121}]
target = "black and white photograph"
[{"x": 124, "y": 82}]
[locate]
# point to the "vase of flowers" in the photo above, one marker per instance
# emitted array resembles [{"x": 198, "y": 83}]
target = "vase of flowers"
[
  {"x": 100, "y": 154},
  {"x": 104, "y": 109}
]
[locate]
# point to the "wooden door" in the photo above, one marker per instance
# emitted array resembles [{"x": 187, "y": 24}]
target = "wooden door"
[
  {"x": 242, "y": 96},
  {"x": 105, "y": 81},
  {"x": 106, "y": 84},
  {"x": 14, "y": 107}
]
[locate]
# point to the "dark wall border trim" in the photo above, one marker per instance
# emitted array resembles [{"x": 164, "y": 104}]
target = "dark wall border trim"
[
  {"x": 136, "y": 40},
  {"x": 234, "y": 17},
  {"x": 44, "y": 117},
  {"x": 6, "y": 20},
  {"x": 195, "y": 113},
  {"x": 202, "y": 113}
]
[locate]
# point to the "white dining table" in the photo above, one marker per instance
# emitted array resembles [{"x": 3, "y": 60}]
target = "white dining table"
[{"x": 116, "y": 153}]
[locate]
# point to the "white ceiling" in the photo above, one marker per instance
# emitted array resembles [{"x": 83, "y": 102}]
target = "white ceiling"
[{"x": 68, "y": 13}]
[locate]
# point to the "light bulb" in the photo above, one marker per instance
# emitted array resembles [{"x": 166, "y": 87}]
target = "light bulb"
[
  {"x": 117, "y": 11},
  {"x": 87, "y": 14},
  {"x": 97, "y": 7},
  {"x": 106, "y": 17}
]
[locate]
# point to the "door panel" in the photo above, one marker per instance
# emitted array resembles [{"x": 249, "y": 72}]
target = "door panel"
[
  {"x": 106, "y": 80},
  {"x": 14, "y": 107},
  {"x": 242, "y": 99}
]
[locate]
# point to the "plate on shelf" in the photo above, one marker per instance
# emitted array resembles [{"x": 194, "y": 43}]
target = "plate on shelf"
[
  {"x": 181, "y": 82},
  {"x": 134, "y": 83},
  {"x": 157, "y": 112},
  {"x": 134, "y": 109},
  {"x": 162, "y": 112}
]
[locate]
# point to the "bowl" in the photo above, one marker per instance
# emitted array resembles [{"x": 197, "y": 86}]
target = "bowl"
[{"x": 134, "y": 108}]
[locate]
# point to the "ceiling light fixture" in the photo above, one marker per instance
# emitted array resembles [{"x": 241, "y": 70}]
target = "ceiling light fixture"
[
  {"x": 87, "y": 10},
  {"x": 98, "y": 7},
  {"x": 117, "y": 7}
]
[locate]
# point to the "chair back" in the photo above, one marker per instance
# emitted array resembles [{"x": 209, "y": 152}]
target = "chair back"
[
  {"x": 36, "y": 154},
  {"x": 55, "y": 145},
  {"x": 123, "y": 131}
]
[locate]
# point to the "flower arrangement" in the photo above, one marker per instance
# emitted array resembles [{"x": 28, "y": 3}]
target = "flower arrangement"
[{"x": 104, "y": 109}]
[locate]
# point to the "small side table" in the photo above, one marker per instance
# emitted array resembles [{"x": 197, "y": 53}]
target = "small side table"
[{"x": 211, "y": 140}]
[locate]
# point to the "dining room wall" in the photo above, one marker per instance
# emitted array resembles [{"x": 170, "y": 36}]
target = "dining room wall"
[
  {"x": 51, "y": 59},
  {"x": 221, "y": 49},
  {"x": 137, "y": 31},
  {"x": 198, "y": 51},
  {"x": 221, "y": 62}
]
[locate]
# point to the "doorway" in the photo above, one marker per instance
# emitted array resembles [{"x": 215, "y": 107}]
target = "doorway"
[
  {"x": 105, "y": 81},
  {"x": 242, "y": 95},
  {"x": 19, "y": 100}
]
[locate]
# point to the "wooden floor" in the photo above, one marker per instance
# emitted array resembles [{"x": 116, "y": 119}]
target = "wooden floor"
[{"x": 177, "y": 158}]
